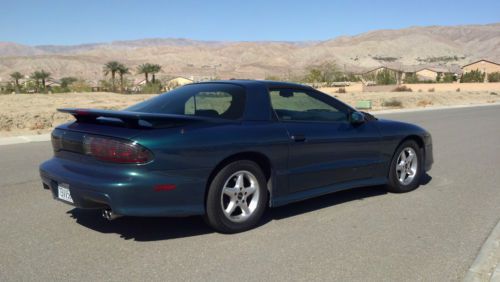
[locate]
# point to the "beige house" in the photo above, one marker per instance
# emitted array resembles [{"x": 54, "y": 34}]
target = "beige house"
[
  {"x": 431, "y": 74},
  {"x": 369, "y": 76},
  {"x": 482, "y": 65},
  {"x": 176, "y": 82}
]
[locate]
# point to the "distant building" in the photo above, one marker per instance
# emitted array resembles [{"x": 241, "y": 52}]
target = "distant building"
[
  {"x": 482, "y": 65},
  {"x": 431, "y": 74},
  {"x": 176, "y": 82},
  {"x": 369, "y": 77}
]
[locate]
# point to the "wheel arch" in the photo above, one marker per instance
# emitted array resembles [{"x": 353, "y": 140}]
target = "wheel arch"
[
  {"x": 418, "y": 139},
  {"x": 260, "y": 159}
]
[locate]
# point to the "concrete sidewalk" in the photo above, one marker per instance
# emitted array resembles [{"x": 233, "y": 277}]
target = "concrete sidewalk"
[{"x": 486, "y": 267}]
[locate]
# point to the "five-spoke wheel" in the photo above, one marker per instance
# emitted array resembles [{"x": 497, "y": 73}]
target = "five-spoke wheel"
[
  {"x": 237, "y": 197},
  {"x": 240, "y": 196}
]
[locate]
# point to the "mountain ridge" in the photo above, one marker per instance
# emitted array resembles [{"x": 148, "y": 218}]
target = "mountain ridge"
[{"x": 430, "y": 45}]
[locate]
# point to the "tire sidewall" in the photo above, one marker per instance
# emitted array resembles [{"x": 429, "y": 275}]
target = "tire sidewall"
[{"x": 214, "y": 213}]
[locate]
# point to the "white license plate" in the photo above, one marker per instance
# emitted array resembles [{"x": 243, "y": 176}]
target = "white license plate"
[{"x": 63, "y": 192}]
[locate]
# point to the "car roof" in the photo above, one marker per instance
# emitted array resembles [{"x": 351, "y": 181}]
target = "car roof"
[{"x": 267, "y": 83}]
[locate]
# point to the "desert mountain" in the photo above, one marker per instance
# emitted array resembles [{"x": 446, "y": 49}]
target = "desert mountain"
[{"x": 444, "y": 46}]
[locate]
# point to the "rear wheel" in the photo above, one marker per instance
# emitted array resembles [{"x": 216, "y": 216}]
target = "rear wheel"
[
  {"x": 405, "y": 170},
  {"x": 236, "y": 198}
]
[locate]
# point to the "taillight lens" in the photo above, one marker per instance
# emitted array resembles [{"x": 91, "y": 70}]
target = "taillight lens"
[{"x": 116, "y": 151}]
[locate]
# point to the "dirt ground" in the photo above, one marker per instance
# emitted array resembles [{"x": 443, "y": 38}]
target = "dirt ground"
[{"x": 27, "y": 114}]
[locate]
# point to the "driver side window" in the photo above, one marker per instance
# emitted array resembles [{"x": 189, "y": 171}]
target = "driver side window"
[{"x": 303, "y": 105}]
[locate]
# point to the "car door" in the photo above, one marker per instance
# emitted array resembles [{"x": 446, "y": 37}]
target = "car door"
[{"x": 325, "y": 147}]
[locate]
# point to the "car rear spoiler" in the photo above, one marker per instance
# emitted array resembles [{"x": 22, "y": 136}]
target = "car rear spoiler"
[{"x": 131, "y": 119}]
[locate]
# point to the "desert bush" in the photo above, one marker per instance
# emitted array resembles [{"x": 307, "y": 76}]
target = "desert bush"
[
  {"x": 431, "y": 90},
  {"x": 494, "y": 77},
  {"x": 341, "y": 90},
  {"x": 402, "y": 88},
  {"x": 392, "y": 103},
  {"x": 458, "y": 90},
  {"x": 473, "y": 76},
  {"x": 273, "y": 77},
  {"x": 424, "y": 103},
  {"x": 493, "y": 93}
]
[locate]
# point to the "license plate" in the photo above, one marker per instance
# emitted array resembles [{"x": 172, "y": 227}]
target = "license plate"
[{"x": 63, "y": 192}]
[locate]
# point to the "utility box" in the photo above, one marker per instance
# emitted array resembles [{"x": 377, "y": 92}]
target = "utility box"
[{"x": 364, "y": 104}]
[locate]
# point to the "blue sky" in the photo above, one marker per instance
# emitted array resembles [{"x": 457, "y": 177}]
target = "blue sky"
[{"x": 73, "y": 22}]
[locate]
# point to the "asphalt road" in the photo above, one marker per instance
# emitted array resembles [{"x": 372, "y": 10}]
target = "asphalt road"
[{"x": 433, "y": 233}]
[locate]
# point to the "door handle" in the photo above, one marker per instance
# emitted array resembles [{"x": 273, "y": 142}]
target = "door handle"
[{"x": 298, "y": 137}]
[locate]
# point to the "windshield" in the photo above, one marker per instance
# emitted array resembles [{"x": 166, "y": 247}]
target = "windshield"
[{"x": 215, "y": 100}]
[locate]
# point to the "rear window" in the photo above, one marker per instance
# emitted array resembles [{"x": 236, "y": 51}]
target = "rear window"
[{"x": 215, "y": 100}]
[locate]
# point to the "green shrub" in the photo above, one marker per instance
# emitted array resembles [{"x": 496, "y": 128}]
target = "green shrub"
[
  {"x": 151, "y": 88},
  {"x": 494, "y": 77},
  {"x": 411, "y": 77},
  {"x": 449, "y": 77},
  {"x": 473, "y": 76},
  {"x": 385, "y": 77}
]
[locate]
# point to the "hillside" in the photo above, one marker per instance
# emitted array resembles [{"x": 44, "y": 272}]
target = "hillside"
[{"x": 433, "y": 45}]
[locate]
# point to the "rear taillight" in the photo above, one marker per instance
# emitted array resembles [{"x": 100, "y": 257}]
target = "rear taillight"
[{"x": 116, "y": 151}]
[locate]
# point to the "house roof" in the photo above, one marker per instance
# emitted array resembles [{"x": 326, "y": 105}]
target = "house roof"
[
  {"x": 382, "y": 67},
  {"x": 177, "y": 77},
  {"x": 443, "y": 70},
  {"x": 482, "y": 60}
]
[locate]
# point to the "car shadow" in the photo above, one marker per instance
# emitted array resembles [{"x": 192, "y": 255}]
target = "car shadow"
[{"x": 161, "y": 228}]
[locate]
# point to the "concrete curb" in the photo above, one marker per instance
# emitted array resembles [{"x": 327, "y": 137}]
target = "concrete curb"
[
  {"x": 486, "y": 267},
  {"x": 397, "y": 111},
  {"x": 24, "y": 139}
]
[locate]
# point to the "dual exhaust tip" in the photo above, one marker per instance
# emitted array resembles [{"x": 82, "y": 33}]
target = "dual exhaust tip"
[{"x": 110, "y": 215}]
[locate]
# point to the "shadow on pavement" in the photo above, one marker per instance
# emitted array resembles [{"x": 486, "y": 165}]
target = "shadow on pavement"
[{"x": 153, "y": 229}]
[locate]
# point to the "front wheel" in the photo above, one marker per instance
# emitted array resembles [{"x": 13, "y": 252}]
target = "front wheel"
[
  {"x": 405, "y": 170},
  {"x": 236, "y": 198}
]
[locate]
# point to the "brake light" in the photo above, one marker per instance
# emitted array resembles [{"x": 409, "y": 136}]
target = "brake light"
[{"x": 116, "y": 151}]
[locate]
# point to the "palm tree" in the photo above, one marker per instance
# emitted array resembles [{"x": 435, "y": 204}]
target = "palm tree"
[
  {"x": 16, "y": 76},
  {"x": 36, "y": 77},
  {"x": 155, "y": 69},
  {"x": 67, "y": 81},
  {"x": 145, "y": 69},
  {"x": 44, "y": 76},
  {"x": 111, "y": 67},
  {"x": 122, "y": 70}
]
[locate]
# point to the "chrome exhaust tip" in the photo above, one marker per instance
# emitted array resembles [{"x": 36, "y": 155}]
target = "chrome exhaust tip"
[{"x": 110, "y": 215}]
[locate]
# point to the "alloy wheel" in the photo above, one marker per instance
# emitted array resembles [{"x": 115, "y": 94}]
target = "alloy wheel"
[
  {"x": 240, "y": 196},
  {"x": 406, "y": 166}
]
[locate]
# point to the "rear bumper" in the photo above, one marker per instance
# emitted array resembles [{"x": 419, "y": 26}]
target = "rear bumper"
[{"x": 127, "y": 190}]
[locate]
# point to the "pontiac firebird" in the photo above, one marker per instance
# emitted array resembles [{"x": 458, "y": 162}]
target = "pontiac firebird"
[{"x": 227, "y": 150}]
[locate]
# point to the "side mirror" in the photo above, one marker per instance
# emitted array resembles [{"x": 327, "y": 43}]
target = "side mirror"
[{"x": 357, "y": 118}]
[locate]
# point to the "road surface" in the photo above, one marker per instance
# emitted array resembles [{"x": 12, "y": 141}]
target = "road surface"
[{"x": 433, "y": 233}]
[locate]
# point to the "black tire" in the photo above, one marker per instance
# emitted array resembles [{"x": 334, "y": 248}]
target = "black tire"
[
  {"x": 394, "y": 184},
  {"x": 215, "y": 216}
]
